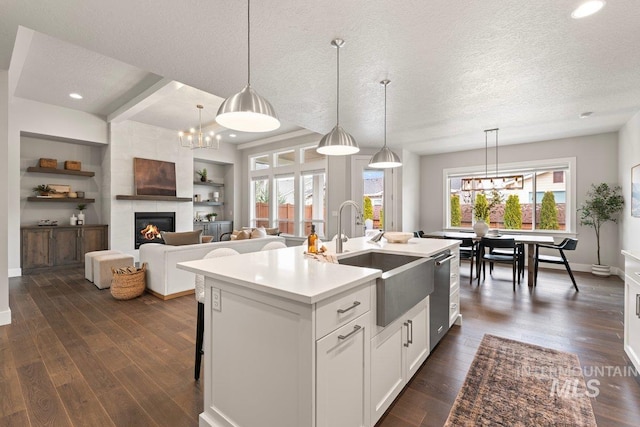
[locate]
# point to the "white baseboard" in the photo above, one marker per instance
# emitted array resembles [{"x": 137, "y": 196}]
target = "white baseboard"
[
  {"x": 5, "y": 317},
  {"x": 585, "y": 268},
  {"x": 15, "y": 272}
]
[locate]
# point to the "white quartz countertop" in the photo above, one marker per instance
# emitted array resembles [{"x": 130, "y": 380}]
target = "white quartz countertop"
[
  {"x": 288, "y": 273},
  {"x": 631, "y": 254}
]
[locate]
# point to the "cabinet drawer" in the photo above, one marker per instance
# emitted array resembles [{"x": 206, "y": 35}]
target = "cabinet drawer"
[
  {"x": 454, "y": 307},
  {"x": 342, "y": 308}
]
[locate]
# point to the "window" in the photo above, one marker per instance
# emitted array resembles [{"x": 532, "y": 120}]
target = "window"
[
  {"x": 546, "y": 196},
  {"x": 373, "y": 193},
  {"x": 260, "y": 203},
  {"x": 296, "y": 178}
]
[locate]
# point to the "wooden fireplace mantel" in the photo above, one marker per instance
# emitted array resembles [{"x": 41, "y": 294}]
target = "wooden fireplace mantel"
[{"x": 154, "y": 198}]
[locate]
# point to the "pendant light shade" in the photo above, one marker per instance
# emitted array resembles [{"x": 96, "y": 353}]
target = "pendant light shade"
[
  {"x": 385, "y": 158},
  {"x": 247, "y": 111},
  {"x": 337, "y": 142}
]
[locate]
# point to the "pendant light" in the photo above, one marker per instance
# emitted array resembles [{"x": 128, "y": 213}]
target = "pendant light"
[
  {"x": 385, "y": 158},
  {"x": 247, "y": 111},
  {"x": 337, "y": 142},
  {"x": 195, "y": 138}
]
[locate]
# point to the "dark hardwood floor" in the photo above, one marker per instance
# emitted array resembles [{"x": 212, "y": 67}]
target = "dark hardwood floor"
[{"x": 74, "y": 356}]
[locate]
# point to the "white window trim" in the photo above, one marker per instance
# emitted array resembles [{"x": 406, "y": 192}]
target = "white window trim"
[{"x": 506, "y": 168}]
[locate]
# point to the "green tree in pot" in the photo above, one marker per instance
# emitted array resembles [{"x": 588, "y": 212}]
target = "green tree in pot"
[
  {"x": 603, "y": 203},
  {"x": 482, "y": 210}
]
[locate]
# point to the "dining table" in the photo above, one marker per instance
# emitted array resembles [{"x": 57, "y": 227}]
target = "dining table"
[{"x": 528, "y": 239}]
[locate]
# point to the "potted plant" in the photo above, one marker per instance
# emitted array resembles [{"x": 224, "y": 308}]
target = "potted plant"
[
  {"x": 211, "y": 216},
  {"x": 81, "y": 207},
  {"x": 202, "y": 174},
  {"x": 482, "y": 209},
  {"x": 42, "y": 190},
  {"x": 603, "y": 204}
]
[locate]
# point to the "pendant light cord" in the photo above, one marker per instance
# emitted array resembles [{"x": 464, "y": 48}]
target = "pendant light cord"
[
  {"x": 486, "y": 154},
  {"x": 338, "y": 87},
  {"x": 496, "y": 152},
  {"x": 385, "y": 114},
  {"x": 248, "y": 42}
]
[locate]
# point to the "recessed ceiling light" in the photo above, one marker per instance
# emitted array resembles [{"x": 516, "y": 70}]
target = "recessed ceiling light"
[
  {"x": 587, "y": 8},
  {"x": 586, "y": 114},
  {"x": 75, "y": 95},
  {"x": 232, "y": 135}
]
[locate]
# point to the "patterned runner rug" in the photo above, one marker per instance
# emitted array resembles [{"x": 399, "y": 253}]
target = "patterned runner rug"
[{"x": 511, "y": 383}]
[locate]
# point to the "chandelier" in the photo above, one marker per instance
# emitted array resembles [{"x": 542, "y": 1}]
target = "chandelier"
[
  {"x": 196, "y": 139},
  {"x": 497, "y": 182}
]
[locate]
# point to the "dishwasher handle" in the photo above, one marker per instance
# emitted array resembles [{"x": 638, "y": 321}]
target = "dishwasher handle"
[{"x": 444, "y": 261}]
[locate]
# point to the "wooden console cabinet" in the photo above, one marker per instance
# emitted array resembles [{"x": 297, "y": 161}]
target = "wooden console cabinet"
[{"x": 59, "y": 246}]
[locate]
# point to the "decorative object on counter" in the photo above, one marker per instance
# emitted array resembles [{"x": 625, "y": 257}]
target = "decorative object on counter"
[
  {"x": 211, "y": 216},
  {"x": 216, "y": 196},
  {"x": 72, "y": 165},
  {"x": 397, "y": 237},
  {"x": 603, "y": 204},
  {"x": 49, "y": 222},
  {"x": 504, "y": 370},
  {"x": 337, "y": 142},
  {"x": 247, "y": 111},
  {"x": 81, "y": 207},
  {"x": 312, "y": 240},
  {"x": 73, "y": 220},
  {"x": 196, "y": 198},
  {"x": 80, "y": 222},
  {"x": 42, "y": 190},
  {"x": 59, "y": 190},
  {"x": 48, "y": 163},
  {"x": 80, "y": 194},
  {"x": 385, "y": 158},
  {"x": 72, "y": 195},
  {"x": 196, "y": 139},
  {"x": 202, "y": 174}
]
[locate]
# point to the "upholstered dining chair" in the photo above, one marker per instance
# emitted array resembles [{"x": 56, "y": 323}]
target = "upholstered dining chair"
[
  {"x": 510, "y": 255},
  {"x": 567, "y": 244},
  {"x": 220, "y": 252}
]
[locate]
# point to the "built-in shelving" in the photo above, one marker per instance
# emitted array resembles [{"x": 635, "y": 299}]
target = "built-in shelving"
[
  {"x": 60, "y": 171},
  {"x": 209, "y": 183},
  {"x": 154, "y": 198},
  {"x": 208, "y": 203},
  {"x": 60, "y": 199}
]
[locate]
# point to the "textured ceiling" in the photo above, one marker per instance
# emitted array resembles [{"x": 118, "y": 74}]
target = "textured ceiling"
[{"x": 456, "y": 68}]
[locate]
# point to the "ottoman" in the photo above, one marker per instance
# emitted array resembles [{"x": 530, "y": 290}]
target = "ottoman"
[
  {"x": 88, "y": 262},
  {"x": 102, "y": 265}
]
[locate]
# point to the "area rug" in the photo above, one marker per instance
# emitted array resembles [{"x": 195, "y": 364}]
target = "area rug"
[{"x": 511, "y": 383}]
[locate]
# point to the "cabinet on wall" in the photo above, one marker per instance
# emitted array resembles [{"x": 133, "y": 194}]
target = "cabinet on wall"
[
  {"x": 632, "y": 306},
  {"x": 59, "y": 246},
  {"x": 214, "y": 228}
]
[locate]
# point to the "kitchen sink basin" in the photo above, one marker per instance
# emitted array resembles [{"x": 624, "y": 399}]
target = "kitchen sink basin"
[{"x": 406, "y": 280}]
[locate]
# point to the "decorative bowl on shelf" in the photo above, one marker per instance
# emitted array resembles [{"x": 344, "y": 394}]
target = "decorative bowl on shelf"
[{"x": 397, "y": 236}]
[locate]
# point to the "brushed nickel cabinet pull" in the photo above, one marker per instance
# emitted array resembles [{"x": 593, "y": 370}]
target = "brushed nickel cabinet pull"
[
  {"x": 638, "y": 305},
  {"x": 344, "y": 310},
  {"x": 355, "y": 329},
  {"x": 410, "y": 322},
  {"x": 407, "y": 343}
]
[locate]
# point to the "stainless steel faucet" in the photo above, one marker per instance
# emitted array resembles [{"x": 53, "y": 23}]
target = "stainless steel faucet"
[{"x": 358, "y": 222}]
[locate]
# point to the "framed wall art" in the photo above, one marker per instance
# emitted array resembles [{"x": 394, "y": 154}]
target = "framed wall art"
[{"x": 154, "y": 177}]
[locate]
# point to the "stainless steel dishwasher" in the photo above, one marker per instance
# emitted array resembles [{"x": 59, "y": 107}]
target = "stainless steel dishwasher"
[{"x": 439, "y": 299}]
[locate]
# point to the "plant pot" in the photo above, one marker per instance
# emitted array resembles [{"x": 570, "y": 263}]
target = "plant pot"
[
  {"x": 601, "y": 270},
  {"x": 481, "y": 228},
  {"x": 203, "y": 178}
]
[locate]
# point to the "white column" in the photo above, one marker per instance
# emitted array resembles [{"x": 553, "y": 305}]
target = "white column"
[{"x": 5, "y": 312}]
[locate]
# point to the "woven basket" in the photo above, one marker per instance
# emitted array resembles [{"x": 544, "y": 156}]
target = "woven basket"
[{"x": 128, "y": 285}]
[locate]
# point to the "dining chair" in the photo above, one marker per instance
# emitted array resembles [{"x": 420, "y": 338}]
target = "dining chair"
[
  {"x": 510, "y": 255},
  {"x": 220, "y": 252},
  {"x": 520, "y": 247},
  {"x": 273, "y": 245},
  {"x": 567, "y": 244}
]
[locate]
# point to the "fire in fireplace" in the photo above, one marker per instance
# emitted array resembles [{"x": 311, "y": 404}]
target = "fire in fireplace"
[{"x": 148, "y": 225}]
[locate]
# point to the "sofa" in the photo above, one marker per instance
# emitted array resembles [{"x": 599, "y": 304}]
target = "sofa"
[{"x": 165, "y": 281}]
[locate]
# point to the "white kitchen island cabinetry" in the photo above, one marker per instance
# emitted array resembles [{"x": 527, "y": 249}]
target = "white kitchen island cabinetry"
[
  {"x": 632, "y": 306},
  {"x": 289, "y": 340}
]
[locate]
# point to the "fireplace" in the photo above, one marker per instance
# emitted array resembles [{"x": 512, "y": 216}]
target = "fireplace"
[{"x": 148, "y": 225}]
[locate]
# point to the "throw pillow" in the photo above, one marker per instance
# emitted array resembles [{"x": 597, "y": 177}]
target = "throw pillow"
[
  {"x": 207, "y": 239},
  {"x": 273, "y": 231},
  {"x": 242, "y": 235},
  {"x": 258, "y": 232},
  {"x": 181, "y": 238}
]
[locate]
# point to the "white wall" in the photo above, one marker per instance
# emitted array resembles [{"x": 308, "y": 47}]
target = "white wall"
[
  {"x": 5, "y": 312},
  {"x": 596, "y": 161},
  {"x": 629, "y": 156},
  {"x": 131, "y": 139}
]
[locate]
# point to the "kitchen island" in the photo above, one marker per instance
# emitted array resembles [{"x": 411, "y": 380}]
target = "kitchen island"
[{"x": 291, "y": 341}]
